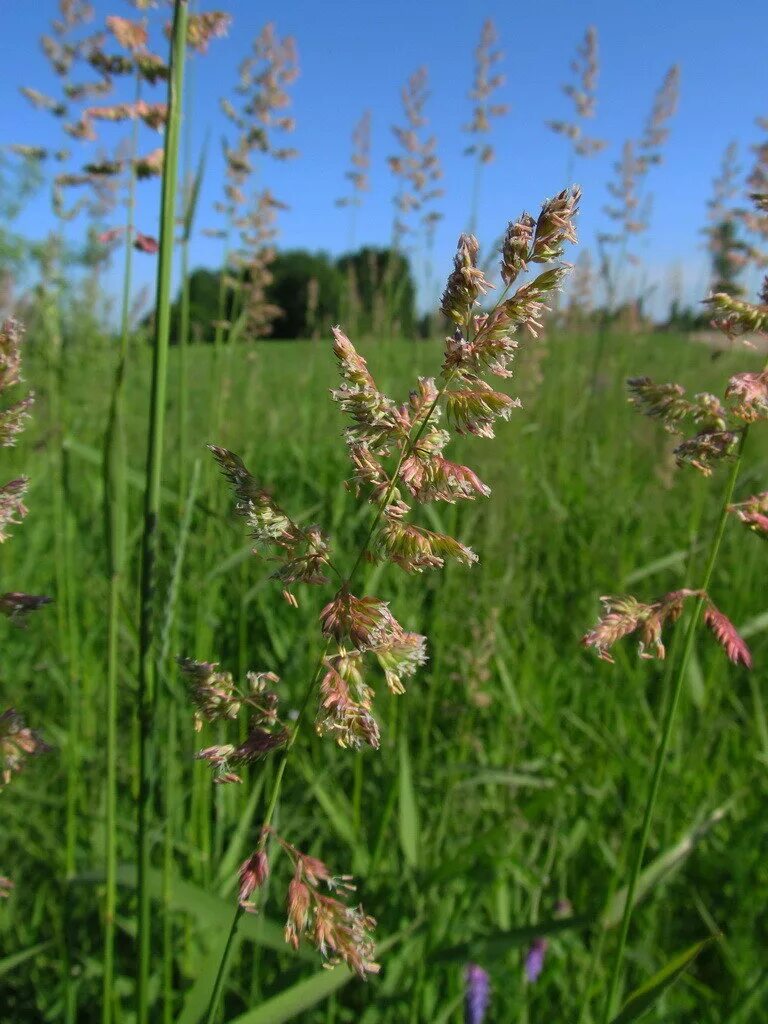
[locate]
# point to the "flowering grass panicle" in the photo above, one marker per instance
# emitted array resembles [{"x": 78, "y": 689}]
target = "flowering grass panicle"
[
  {"x": 259, "y": 117},
  {"x": 487, "y": 81},
  {"x": 342, "y": 933},
  {"x": 73, "y": 55},
  {"x": 417, "y": 167},
  {"x": 753, "y": 512},
  {"x": 18, "y": 743},
  {"x": 582, "y": 92},
  {"x": 217, "y": 699},
  {"x": 754, "y": 218},
  {"x": 13, "y": 417},
  {"x": 624, "y": 616},
  {"x": 656, "y": 130},
  {"x": 729, "y": 253},
  {"x": 398, "y": 461},
  {"x": 629, "y": 207},
  {"x": 357, "y": 175}
]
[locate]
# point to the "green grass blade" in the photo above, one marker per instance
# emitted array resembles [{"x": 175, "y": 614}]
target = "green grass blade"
[
  {"x": 8, "y": 963},
  {"x": 643, "y": 998},
  {"x": 336, "y": 808},
  {"x": 662, "y": 866},
  {"x": 307, "y": 993},
  {"x": 755, "y": 625},
  {"x": 674, "y": 560},
  {"x": 485, "y": 948},
  {"x": 298, "y": 998},
  {"x": 196, "y": 998},
  {"x": 193, "y": 194},
  {"x": 211, "y": 913},
  {"x": 408, "y": 817}
]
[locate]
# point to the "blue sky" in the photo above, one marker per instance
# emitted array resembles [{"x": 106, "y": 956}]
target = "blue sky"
[{"x": 356, "y": 55}]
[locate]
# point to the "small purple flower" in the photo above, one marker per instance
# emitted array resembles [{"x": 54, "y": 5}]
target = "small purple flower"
[
  {"x": 534, "y": 960},
  {"x": 478, "y": 993}
]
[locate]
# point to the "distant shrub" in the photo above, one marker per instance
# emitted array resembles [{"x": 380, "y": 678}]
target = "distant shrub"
[{"x": 307, "y": 287}]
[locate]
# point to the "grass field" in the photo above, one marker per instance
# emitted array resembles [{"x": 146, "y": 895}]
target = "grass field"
[{"x": 510, "y": 772}]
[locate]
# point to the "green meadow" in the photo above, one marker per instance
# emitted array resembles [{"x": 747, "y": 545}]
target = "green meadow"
[{"x": 512, "y": 774}]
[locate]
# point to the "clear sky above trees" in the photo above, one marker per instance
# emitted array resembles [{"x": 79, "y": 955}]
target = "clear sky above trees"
[{"x": 355, "y": 56}]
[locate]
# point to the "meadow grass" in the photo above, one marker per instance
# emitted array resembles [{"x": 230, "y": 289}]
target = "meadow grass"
[{"x": 511, "y": 776}]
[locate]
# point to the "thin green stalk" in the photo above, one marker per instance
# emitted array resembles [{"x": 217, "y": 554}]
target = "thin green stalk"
[
  {"x": 154, "y": 466},
  {"x": 183, "y": 383},
  {"x": 191, "y": 193},
  {"x": 474, "y": 208},
  {"x": 666, "y": 733},
  {"x": 115, "y": 492},
  {"x": 52, "y": 321},
  {"x": 170, "y": 804}
]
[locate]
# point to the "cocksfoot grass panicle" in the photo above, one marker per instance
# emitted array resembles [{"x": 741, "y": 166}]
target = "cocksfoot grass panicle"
[
  {"x": 624, "y": 616},
  {"x": 418, "y": 172},
  {"x": 729, "y": 253},
  {"x": 342, "y": 933},
  {"x": 13, "y": 418},
  {"x": 753, "y": 512},
  {"x": 260, "y": 119},
  {"x": 629, "y": 208},
  {"x": 720, "y": 433},
  {"x": 358, "y": 173},
  {"x": 398, "y": 461},
  {"x": 754, "y": 217},
  {"x": 18, "y": 743},
  {"x": 218, "y": 699},
  {"x": 582, "y": 92},
  {"x": 486, "y": 108}
]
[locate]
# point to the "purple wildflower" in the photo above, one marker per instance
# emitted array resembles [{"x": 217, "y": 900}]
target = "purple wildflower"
[
  {"x": 478, "y": 993},
  {"x": 534, "y": 960}
]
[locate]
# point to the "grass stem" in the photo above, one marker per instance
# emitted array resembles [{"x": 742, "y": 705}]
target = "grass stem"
[{"x": 152, "y": 496}]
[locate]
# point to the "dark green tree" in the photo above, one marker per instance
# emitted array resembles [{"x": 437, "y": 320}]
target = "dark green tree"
[
  {"x": 203, "y": 305},
  {"x": 727, "y": 252},
  {"x": 307, "y": 287},
  {"x": 379, "y": 292}
]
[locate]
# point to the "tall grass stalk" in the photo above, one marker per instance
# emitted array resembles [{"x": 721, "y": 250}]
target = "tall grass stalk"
[
  {"x": 654, "y": 782},
  {"x": 56, "y": 392},
  {"x": 115, "y": 496},
  {"x": 189, "y": 207},
  {"x": 154, "y": 465}
]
